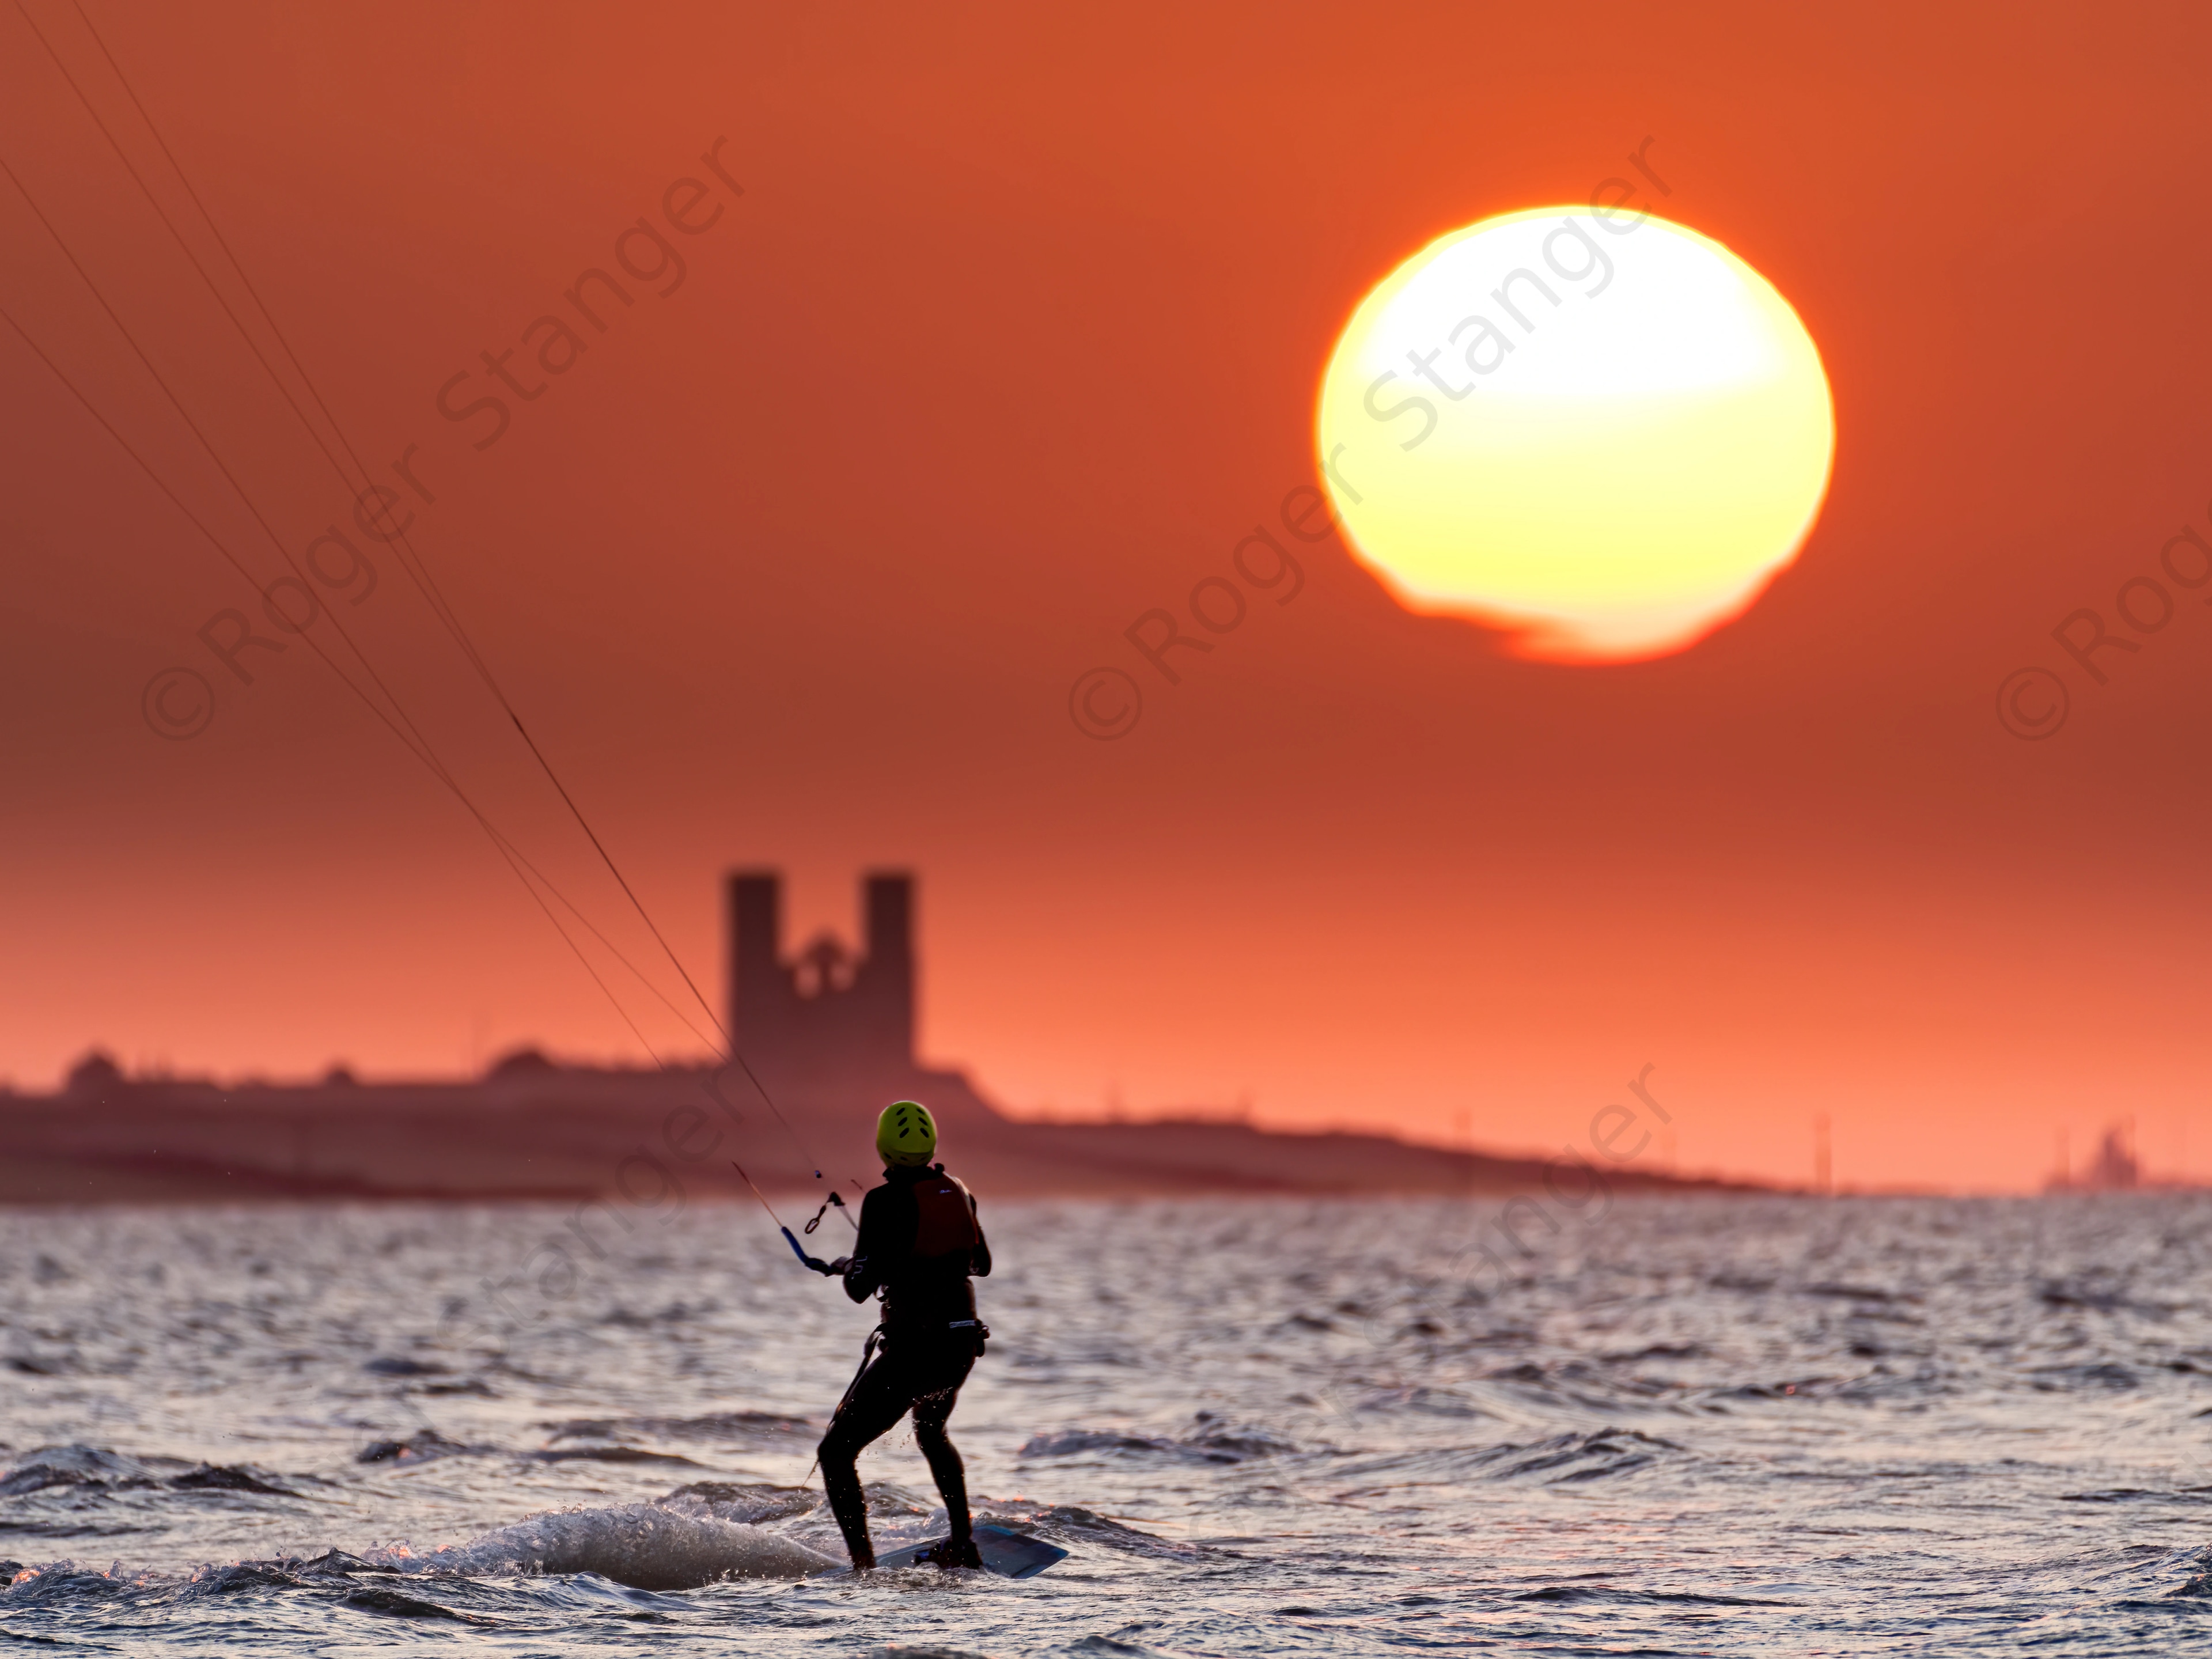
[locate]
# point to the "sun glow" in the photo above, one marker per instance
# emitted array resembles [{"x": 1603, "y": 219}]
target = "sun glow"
[{"x": 1600, "y": 433}]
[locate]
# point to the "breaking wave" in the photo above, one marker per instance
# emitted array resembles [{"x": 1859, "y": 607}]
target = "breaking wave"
[{"x": 646, "y": 1545}]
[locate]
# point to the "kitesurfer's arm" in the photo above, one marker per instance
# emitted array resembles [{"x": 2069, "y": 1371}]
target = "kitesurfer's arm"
[
  {"x": 979, "y": 1260},
  {"x": 862, "y": 1274}
]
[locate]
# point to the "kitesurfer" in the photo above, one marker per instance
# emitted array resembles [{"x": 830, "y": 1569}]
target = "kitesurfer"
[{"x": 920, "y": 1241}]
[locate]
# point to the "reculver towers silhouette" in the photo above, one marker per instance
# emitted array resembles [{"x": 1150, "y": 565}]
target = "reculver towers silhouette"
[
  {"x": 829, "y": 1027},
  {"x": 827, "y": 1011}
]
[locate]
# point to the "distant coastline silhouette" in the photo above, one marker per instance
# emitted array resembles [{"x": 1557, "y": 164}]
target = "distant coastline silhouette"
[{"x": 829, "y": 1030}]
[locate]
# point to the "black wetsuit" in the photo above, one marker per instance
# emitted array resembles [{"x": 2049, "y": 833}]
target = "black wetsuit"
[{"x": 920, "y": 1240}]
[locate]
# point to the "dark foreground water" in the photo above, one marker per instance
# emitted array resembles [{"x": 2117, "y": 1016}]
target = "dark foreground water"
[{"x": 1707, "y": 1426}]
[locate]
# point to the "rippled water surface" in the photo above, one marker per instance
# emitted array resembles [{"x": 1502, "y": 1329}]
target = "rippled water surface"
[{"x": 1724, "y": 1426}]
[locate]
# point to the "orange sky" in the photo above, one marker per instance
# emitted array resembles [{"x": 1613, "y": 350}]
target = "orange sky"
[{"x": 1015, "y": 330}]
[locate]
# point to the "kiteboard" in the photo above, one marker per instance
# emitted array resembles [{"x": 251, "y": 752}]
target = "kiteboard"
[{"x": 1008, "y": 1553}]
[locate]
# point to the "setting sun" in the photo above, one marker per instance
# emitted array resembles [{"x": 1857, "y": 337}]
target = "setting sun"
[{"x": 1600, "y": 433}]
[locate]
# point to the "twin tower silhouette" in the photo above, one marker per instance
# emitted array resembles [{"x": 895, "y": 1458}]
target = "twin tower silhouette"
[{"x": 828, "y": 1024}]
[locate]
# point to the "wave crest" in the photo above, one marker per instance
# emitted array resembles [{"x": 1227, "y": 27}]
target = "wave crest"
[{"x": 644, "y": 1545}]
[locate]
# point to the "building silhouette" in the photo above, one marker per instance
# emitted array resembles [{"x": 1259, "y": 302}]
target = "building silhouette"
[
  {"x": 830, "y": 1030},
  {"x": 2115, "y": 1168},
  {"x": 827, "y": 1011}
]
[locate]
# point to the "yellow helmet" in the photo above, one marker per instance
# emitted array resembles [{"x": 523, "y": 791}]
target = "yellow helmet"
[{"x": 906, "y": 1133}]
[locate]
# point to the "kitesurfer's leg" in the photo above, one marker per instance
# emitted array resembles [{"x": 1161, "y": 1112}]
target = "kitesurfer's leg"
[
  {"x": 931, "y": 1413},
  {"x": 880, "y": 1400}
]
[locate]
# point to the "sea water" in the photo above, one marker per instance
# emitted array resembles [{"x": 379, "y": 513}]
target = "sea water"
[{"x": 1708, "y": 1426}]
